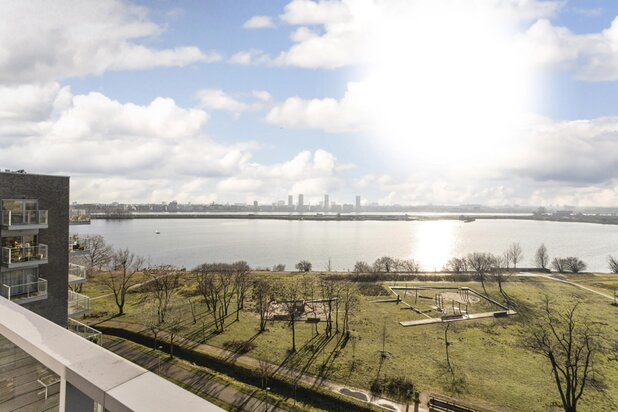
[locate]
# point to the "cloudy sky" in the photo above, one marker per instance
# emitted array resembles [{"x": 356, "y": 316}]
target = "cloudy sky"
[{"x": 400, "y": 101}]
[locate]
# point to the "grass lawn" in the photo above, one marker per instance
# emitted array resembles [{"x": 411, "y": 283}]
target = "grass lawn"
[{"x": 492, "y": 366}]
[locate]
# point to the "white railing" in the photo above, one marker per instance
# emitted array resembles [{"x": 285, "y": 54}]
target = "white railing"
[
  {"x": 20, "y": 254},
  {"x": 85, "y": 331},
  {"x": 89, "y": 373},
  {"x": 24, "y": 290},
  {"x": 21, "y": 218},
  {"x": 78, "y": 303},
  {"x": 76, "y": 272}
]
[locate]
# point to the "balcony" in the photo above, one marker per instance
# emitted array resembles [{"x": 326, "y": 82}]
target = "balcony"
[
  {"x": 77, "y": 274},
  {"x": 21, "y": 220},
  {"x": 24, "y": 256},
  {"x": 90, "y": 375},
  {"x": 78, "y": 304},
  {"x": 26, "y": 292},
  {"x": 85, "y": 331},
  {"x": 79, "y": 245}
]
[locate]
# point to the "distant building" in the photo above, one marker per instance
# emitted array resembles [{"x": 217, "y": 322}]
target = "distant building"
[
  {"x": 326, "y": 204},
  {"x": 172, "y": 207},
  {"x": 301, "y": 201},
  {"x": 290, "y": 200},
  {"x": 358, "y": 202}
]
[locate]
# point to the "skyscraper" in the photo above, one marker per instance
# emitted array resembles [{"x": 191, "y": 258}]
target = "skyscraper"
[
  {"x": 326, "y": 202},
  {"x": 358, "y": 204},
  {"x": 300, "y": 201},
  {"x": 290, "y": 200}
]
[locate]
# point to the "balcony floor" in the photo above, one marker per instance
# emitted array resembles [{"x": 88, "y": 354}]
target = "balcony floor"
[{"x": 19, "y": 386}]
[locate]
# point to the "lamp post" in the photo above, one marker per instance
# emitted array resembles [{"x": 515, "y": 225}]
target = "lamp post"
[{"x": 266, "y": 401}]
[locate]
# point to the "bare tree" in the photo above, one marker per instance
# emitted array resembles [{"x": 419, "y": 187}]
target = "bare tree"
[
  {"x": 329, "y": 265},
  {"x": 574, "y": 264},
  {"x": 303, "y": 266},
  {"x": 292, "y": 304},
  {"x": 150, "y": 319},
  {"x": 446, "y": 346},
  {"x": 308, "y": 293},
  {"x": 173, "y": 324},
  {"x": 328, "y": 291},
  {"x": 362, "y": 267},
  {"x": 162, "y": 282},
  {"x": 500, "y": 274},
  {"x": 216, "y": 284},
  {"x": 541, "y": 258},
  {"x": 409, "y": 266},
  {"x": 384, "y": 336},
  {"x": 120, "y": 276},
  {"x": 384, "y": 264},
  {"x": 210, "y": 290},
  {"x": 279, "y": 267},
  {"x": 263, "y": 295},
  {"x": 514, "y": 254},
  {"x": 613, "y": 264},
  {"x": 558, "y": 264},
  {"x": 99, "y": 253},
  {"x": 241, "y": 272},
  {"x": 349, "y": 297},
  {"x": 457, "y": 265},
  {"x": 481, "y": 263},
  {"x": 570, "y": 346}
]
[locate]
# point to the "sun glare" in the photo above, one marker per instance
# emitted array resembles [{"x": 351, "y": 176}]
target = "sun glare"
[{"x": 446, "y": 82}]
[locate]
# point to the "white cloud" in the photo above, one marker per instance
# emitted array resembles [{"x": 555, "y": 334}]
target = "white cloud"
[
  {"x": 249, "y": 57},
  {"x": 347, "y": 26},
  {"x": 81, "y": 38},
  {"x": 350, "y": 114},
  {"x": 591, "y": 57},
  {"x": 259, "y": 22},
  {"x": 216, "y": 99},
  {"x": 219, "y": 100}
]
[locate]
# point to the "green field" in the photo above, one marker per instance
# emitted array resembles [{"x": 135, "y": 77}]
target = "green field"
[{"x": 492, "y": 366}]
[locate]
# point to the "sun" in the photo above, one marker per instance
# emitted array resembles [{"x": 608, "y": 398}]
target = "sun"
[{"x": 447, "y": 83}]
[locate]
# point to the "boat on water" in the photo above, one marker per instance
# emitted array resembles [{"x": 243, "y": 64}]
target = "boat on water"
[{"x": 157, "y": 232}]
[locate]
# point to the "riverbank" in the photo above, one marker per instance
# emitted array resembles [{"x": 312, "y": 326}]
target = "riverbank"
[{"x": 598, "y": 219}]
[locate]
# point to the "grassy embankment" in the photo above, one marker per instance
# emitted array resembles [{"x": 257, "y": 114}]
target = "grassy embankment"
[{"x": 492, "y": 366}]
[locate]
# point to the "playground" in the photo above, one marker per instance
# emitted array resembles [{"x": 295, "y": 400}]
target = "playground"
[{"x": 427, "y": 305}]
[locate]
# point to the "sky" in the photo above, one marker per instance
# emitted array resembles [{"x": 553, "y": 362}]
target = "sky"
[{"x": 494, "y": 102}]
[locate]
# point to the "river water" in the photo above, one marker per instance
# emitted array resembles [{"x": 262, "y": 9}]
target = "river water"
[{"x": 264, "y": 243}]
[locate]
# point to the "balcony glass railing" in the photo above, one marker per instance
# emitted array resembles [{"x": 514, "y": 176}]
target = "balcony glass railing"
[
  {"x": 24, "y": 218},
  {"x": 77, "y": 273},
  {"x": 22, "y": 254},
  {"x": 24, "y": 290},
  {"x": 78, "y": 303}
]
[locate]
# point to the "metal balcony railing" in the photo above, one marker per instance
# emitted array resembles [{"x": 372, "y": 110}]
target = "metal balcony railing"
[
  {"x": 77, "y": 273},
  {"x": 78, "y": 304},
  {"x": 15, "y": 219},
  {"x": 24, "y": 254},
  {"x": 24, "y": 291}
]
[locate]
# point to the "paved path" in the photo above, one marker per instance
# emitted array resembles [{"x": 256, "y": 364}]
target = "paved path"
[
  {"x": 307, "y": 379},
  {"x": 197, "y": 380},
  {"x": 568, "y": 282}
]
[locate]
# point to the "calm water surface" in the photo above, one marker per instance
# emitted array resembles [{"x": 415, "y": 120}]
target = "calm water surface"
[{"x": 263, "y": 243}]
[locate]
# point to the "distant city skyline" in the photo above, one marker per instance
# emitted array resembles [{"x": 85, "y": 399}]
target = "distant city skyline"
[{"x": 402, "y": 102}]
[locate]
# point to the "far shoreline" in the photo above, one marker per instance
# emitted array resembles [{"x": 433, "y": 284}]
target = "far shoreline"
[{"x": 468, "y": 218}]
